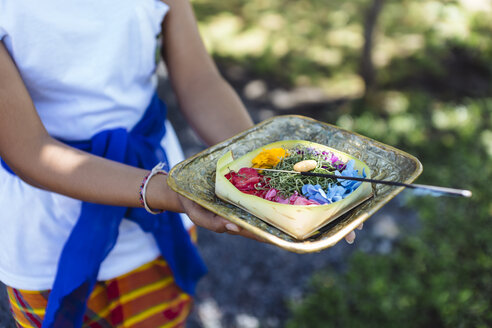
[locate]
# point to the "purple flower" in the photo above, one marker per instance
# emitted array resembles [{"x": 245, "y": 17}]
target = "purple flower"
[{"x": 312, "y": 151}]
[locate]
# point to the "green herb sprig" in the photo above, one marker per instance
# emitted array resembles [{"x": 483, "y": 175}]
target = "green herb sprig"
[{"x": 287, "y": 184}]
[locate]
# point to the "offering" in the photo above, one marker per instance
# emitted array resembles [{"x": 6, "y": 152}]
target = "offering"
[
  {"x": 264, "y": 183},
  {"x": 195, "y": 178}
]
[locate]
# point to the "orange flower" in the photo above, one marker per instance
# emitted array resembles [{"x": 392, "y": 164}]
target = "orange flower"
[{"x": 268, "y": 158}]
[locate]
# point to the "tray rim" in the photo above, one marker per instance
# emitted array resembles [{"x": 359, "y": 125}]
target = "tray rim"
[{"x": 305, "y": 246}]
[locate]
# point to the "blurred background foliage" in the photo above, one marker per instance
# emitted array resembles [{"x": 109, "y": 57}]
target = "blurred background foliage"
[{"x": 415, "y": 74}]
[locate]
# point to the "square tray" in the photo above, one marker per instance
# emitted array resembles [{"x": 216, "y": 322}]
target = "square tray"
[{"x": 194, "y": 178}]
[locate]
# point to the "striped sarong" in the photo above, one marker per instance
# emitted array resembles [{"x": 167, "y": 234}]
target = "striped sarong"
[{"x": 145, "y": 297}]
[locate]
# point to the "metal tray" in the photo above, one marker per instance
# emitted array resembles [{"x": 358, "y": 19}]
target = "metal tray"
[{"x": 194, "y": 178}]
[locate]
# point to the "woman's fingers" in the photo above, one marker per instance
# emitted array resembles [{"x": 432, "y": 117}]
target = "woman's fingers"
[
  {"x": 234, "y": 229},
  {"x": 203, "y": 218},
  {"x": 231, "y": 227},
  {"x": 211, "y": 221},
  {"x": 350, "y": 237},
  {"x": 247, "y": 234}
]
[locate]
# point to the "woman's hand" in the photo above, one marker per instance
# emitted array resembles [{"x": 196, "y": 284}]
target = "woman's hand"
[
  {"x": 211, "y": 221},
  {"x": 350, "y": 237}
]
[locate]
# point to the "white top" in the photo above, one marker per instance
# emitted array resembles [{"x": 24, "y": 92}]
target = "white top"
[
  {"x": 89, "y": 65},
  {"x": 86, "y": 63}
]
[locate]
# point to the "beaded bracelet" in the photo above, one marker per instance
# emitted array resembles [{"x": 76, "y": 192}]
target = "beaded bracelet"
[{"x": 158, "y": 169}]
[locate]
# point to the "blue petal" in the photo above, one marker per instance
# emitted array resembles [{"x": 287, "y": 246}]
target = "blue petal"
[
  {"x": 350, "y": 166},
  {"x": 314, "y": 193}
]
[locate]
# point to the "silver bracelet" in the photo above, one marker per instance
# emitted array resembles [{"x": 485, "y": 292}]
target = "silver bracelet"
[{"x": 158, "y": 169}]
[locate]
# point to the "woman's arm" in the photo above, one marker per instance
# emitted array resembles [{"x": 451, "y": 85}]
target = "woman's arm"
[
  {"x": 44, "y": 162},
  {"x": 209, "y": 103}
]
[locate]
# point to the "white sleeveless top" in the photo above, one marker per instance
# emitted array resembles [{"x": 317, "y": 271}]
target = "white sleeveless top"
[{"x": 89, "y": 65}]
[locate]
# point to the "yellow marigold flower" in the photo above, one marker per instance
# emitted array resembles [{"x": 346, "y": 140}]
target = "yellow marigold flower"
[{"x": 268, "y": 158}]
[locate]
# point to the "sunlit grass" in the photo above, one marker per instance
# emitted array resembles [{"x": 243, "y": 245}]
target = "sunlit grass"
[{"x": 298, "y": 38}]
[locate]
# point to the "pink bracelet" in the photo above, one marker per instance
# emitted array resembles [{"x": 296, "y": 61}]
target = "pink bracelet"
[{"x": 158, "y": 169}]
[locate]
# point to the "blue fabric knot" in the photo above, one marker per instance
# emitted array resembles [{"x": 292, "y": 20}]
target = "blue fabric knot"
[{"x": 96, "y": 230}]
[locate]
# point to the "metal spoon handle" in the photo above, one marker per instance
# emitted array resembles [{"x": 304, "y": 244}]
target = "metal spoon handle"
[
  {"x": 444, "y": 190},
  {"x": 434, "y": 189}
]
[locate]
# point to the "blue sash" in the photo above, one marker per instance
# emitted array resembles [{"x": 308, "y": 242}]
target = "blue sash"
[{"x": 95, "y": 233}]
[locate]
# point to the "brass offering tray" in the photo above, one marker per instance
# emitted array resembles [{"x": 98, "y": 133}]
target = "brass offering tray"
[{"x": 194, "y": 178}]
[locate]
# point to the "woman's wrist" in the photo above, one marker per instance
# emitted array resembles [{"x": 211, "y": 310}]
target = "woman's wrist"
[{"x": 159, "y": 196}]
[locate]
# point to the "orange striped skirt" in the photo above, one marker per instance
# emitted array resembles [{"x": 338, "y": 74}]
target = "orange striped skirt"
[{"x": 145, "y": 297}]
